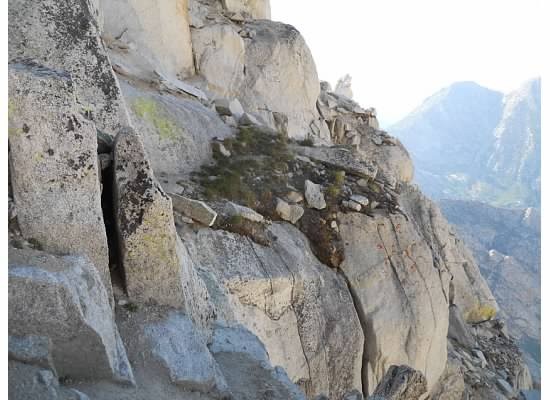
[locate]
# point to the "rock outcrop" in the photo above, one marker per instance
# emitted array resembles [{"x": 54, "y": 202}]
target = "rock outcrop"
[
  {"x": 64, "y": 300},
  {"x": 263, "y": 237},
  {"x": 141, "y": 37},
  {"x": 54, "y": 167},
  {"x": 64, "y": 36},
  {"x": 298, "y": 307}
]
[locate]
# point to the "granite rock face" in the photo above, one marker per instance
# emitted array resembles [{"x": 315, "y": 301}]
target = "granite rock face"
[
  {"x": 64, "y": 36},
  {"x": 385, "y": 257},
  {"x": 298, "y": 307},
  {"x": 54, "y": 167},
  {"x": 63, "y": 299}
]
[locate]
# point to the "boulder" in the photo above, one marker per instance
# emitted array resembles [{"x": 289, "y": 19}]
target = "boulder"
[
  {"x": 63, "y": 299},
  {"x": 177, "y": 132},
  {"x": 219, "y": 53},
  {"x": 289, "y": 212},
  {"x": 299, "y": 308},
  {"x": 178, "y": 346},
  {"x": 257, "y": 9},
  {"x": 142, "y": 37},
  {"x": 194, "y": 209},
  {"x": 401, "y": 383},
  {"x": 363, "y": 200},
  {"x": 340, "y": 158},
  {"x": 247, "y": 367},
  {"x": 155, "y": 262},
  {"x": 54, "y": 167},
  {"x": 386, "y": 258},
  {"x": 351, "y": 205},
  {"x": 314, "y": 195},
  {"x": 64, "y": 35},
  {"x": 236, "y": 210},
  {"x": 280, "y": 76}
]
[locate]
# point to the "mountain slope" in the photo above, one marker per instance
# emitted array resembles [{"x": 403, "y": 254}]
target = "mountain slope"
[
  {"x": 506, "y": 244},
  {"x": 472, "y": 143}
]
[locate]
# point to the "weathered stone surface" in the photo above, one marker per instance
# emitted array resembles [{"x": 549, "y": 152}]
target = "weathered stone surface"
[
  {"x": 451, "y": 383},
  {"x": 53, "y": 166},
  {"x": 177, "y": 132},
  {"x": 314, "y": 195},
  {"x": 247, "y": 369},
  {"x": 145, "y": 225},
  {"x": 194, "y": 209},
  {"x": 401, "y": 383},
  {"x": 219, "y": 53},
  {"x": 300, "y": 309},
  {"x": 31, "y": 349},
  {"x": 280, "y": 76},
  {"x": 236, "y": 210},
  {"x": 63, "y": 299},
  {"x": 156, "y": 264},
  {"x": 142, "y": 37},
  {"x": 257, "y": 9},
  {"x": 340, "y": 158},
  {"x": 29, "y": 382},
  {"x": 64, "y": 36},
  {"x": 289, "y": 212},
  {"x": 182, "y": 351},
  {"x": 391, "y": 158},
  {"x": 458, "y": 330},
  {"x": 468, "y": 289},
  {"x": 386, "y": 258}
]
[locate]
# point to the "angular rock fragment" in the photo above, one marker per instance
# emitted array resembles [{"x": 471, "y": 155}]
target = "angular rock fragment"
[
  {"x": 194, "y": 209},
  {"x": 236, "y": 210},
  {"x": 351, "y": 205},
  {"x": 340, "y": 158},
  {"x": 314, "y": 195},
  {"x": 54, "y": 166},
  {"x": 363, "y": 200},
  {"x": 63, "y": 299},
  {"x": 401, "y": 383},
  {"x": 182, "y": 351},
  {"x": 289, "y": 212}
]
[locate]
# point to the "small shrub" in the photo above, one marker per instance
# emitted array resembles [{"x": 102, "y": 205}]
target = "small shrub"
[{"x": 306, "y": 142}]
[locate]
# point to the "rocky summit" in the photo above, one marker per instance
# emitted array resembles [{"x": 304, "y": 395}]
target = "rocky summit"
[{"x": 194, "y": 215}]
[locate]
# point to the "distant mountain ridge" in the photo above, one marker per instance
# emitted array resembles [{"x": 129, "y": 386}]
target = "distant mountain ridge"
[{"x": 472, "y": 143}]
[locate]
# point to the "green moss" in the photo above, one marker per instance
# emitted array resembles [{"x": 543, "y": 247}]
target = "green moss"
[{"x": 151, "y": 112}]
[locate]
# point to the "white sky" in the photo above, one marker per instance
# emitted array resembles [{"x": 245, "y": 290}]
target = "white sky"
[{"x": 399, "y": 52}]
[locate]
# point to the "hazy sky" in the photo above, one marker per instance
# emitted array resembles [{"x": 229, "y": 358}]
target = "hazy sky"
[{"x": 400, "y": 51}]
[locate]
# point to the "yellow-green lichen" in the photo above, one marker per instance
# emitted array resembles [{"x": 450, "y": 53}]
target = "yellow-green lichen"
[
  {"x": 12, "y": 132},
  {"x": 484, "y": 312},
  {"x": 11, "y": 108},
  {"x": 150, "y": 111}
]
